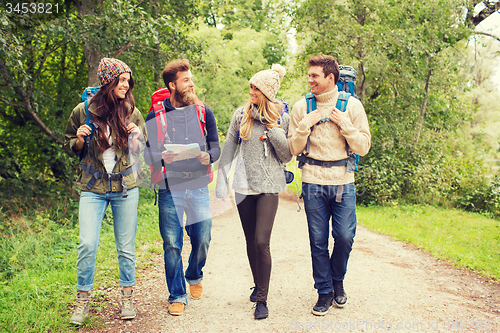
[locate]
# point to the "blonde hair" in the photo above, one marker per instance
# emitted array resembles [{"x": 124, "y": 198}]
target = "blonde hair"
[{"x": 267, "y": 109}]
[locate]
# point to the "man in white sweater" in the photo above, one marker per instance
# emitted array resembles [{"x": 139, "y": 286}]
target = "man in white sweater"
[{"x": 327, "y": 177}]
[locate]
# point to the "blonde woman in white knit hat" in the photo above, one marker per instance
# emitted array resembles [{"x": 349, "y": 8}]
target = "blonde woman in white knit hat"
[{"x": 260, "y": 130}]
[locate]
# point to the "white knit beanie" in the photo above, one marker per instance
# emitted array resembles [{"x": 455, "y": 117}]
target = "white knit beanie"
[{"x": 268, "y": 81}]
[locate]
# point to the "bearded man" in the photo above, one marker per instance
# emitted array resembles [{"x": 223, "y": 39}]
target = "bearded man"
[{"x": 183, "y": 185}]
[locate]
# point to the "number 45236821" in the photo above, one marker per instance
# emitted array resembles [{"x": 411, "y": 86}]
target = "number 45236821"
[{"x": 32, "y": 8}]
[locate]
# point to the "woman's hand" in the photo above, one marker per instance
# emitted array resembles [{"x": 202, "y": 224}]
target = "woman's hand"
[
  {"x": 82, "y": 132},
  {"x": 269, "y": 126},
  {"x": 133, "y": 134},
  {"x": 134, "y": 130}
]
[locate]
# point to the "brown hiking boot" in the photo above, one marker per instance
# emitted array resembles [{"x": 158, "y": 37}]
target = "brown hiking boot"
[
  {"x": 196, "y": 290},
  {"x": 82, "y": 308},
  {"x": 128, "y": 311},
  {"x": 176, "y": 309}
]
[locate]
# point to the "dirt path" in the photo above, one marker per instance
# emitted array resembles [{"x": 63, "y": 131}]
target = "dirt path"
[{"x": 390, "y": 286}]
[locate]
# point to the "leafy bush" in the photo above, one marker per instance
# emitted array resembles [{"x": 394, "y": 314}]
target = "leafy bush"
[
  {"x": 30, "y": 196},
  {"x": 428, "y": 175}
]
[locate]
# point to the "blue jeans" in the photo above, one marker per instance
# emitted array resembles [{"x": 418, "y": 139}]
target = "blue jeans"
[
  {"x": 91, "y": 212},
  {"x": 320, "y": 204},
  {"x": 172, "y": 205}
]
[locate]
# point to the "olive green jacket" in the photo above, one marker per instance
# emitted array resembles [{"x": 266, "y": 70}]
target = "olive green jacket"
[{"x": 124, "y": 160}]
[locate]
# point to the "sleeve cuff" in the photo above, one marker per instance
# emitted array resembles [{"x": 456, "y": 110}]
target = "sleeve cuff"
[
  {"x": 304, "y": 125},
  {"x": 273, "y": 130}
]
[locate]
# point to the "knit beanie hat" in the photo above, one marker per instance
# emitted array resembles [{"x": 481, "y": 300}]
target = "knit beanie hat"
[
  {"x": 268, "y": 81},
  {"x": 109, "y": 69}
]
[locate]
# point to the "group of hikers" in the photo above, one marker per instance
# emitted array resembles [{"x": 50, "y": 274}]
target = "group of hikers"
[{"x": 179, "y": 141}]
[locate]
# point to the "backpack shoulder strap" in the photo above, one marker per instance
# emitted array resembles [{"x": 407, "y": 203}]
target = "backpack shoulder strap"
[
  {"x": 202, "y": 118},
  {"x": 89, "y": 122},
  {"x": 161, "y": 122},
  {"x": 240, "y": 118},
  {"x": 342, "y": 106},
  {"x": 342, "y": 101},
  {"x": 311, "y": 103}
]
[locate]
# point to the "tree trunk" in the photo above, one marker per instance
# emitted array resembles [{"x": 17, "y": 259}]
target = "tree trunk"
[
  {"x": 423, "y": 106},
  {"x": 362, "y": 80},
  {"x": 92, "y": 52},
  {"x": 31, "y": 113},
  {"x": 93, "y": 57}
]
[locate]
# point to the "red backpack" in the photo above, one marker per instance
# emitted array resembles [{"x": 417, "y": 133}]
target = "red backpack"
[{"x": 161, "y": 126}]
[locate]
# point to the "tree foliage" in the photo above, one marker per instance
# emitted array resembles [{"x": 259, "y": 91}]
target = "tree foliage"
[
  {"x": 409, "y": 56},
  {"x": 222, "y": 78},
  {"x": 46, "y": 61},
  {"x": 430, "y": 105}
]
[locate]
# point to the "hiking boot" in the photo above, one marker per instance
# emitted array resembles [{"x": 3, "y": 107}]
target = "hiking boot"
[
  {"x": 82, "y": 309},
  {"x": 196, "y": 290},
  {"x": 340, "y": 296},
  {"x": 253, "y": 296},
  {"x": 261, "y": 310},
  {"x": 324, "y": 302},
  {"x": 175, "y": 309},
  {"x": 128, "y": 311}
]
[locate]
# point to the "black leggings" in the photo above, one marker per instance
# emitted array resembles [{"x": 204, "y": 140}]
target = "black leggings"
[{"x": 257, "y": 214}]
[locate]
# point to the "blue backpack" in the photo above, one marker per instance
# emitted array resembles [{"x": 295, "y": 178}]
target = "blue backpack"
[{"x": 347, "y": 88}]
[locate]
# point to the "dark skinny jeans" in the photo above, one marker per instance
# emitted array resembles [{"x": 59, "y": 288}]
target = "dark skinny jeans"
[{"x": 257, "y": 213}]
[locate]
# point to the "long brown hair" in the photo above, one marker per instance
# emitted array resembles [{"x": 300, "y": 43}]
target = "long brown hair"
[
  {"x": 267, "y": 109},
  {"x": 113, "y": 111}
]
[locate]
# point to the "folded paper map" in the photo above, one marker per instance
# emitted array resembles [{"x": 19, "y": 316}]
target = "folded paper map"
[{"x": 184, "y": 152}]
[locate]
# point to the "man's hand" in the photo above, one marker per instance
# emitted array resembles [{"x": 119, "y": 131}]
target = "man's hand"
[
  {"x": 168, "y": 156},
  {"x": 204, "y": 158},
  {"x": 312, "y": 118},
  {"x": 337, "y": 116}
]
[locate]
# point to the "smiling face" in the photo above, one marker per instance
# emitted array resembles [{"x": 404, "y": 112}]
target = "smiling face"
[
  {"x": 255, "y": 94},
  {"x": 122, "y": 87},
  {"x": 183, "y": 88},
  {"x": 318, "y": 82}
]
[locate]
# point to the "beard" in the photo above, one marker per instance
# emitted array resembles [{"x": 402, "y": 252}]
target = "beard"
[{"x": 185, "y": 97}]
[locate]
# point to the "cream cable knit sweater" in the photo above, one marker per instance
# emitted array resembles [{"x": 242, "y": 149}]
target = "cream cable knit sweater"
[{"x": 328, "y": 139}]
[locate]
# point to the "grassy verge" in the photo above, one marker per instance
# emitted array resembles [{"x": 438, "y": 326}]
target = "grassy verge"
[
  {"x": 38, "y": 267},
  {"x": 38, "y": 256},
  {"x": 468, "y": 240}
]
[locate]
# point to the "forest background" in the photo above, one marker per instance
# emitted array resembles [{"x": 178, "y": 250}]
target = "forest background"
[{"x": 425, "y": 77}]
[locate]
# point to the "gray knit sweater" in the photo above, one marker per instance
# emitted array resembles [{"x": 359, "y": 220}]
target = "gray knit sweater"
[{"x": 259, "y": 163}]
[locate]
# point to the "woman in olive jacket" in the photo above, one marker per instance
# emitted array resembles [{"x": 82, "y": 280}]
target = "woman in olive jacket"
[{"x": 107, "y": 175}]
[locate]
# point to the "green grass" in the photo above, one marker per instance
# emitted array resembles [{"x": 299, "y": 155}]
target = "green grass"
[
  {"x": 296, "y": 185},
  {"x": 467, "y": 240},
  {"x": 38, "y": 268},
  {"x": 38, "y": 256}
]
